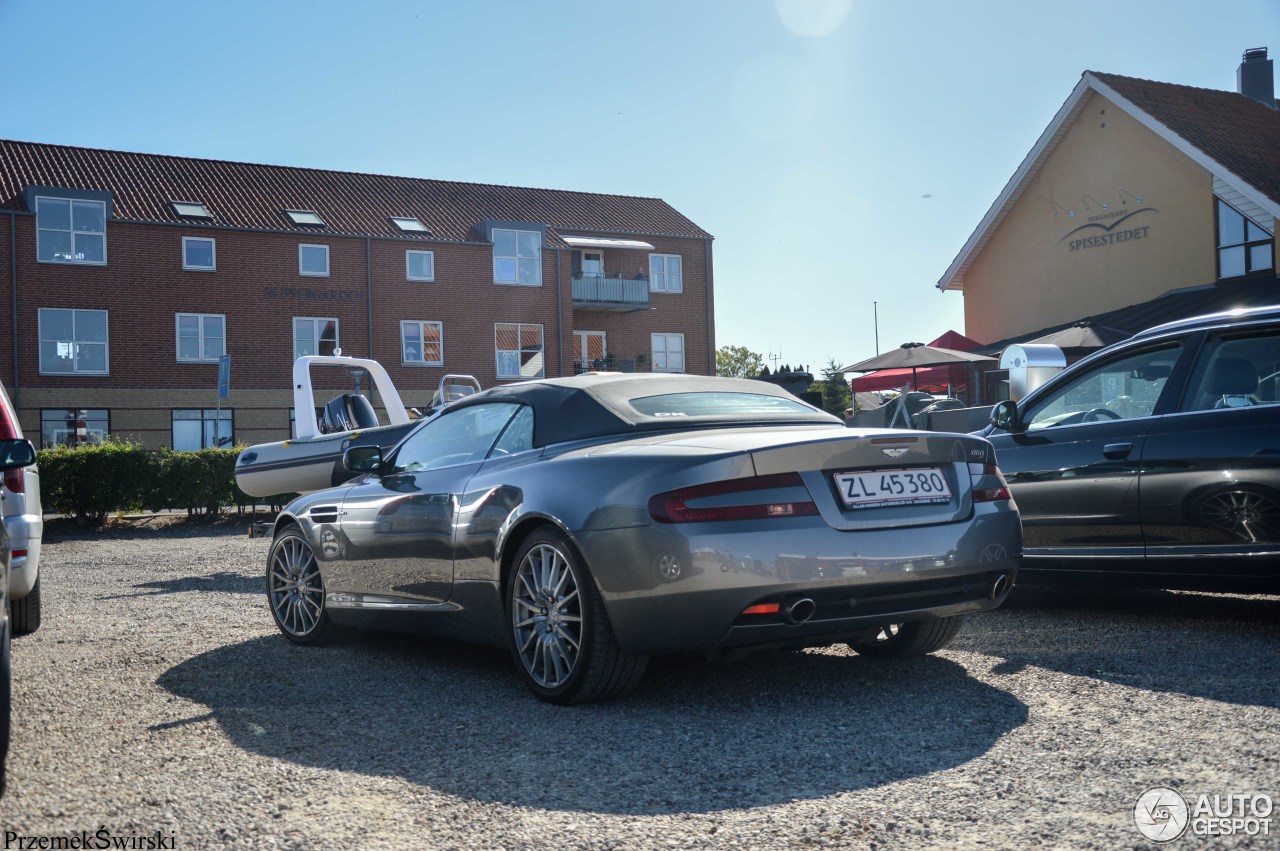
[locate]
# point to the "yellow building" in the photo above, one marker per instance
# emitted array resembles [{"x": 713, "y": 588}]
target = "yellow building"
[{"x": 1139, "y": 202}]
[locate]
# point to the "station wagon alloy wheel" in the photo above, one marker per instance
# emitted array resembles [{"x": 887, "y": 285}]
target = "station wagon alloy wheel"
[
  {"x": 546, "y": 615},
  {"x": 295, "y": 590},
  {"x": 1251, "y": 516}
]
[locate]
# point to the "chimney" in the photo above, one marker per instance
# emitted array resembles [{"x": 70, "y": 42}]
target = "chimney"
[{"x": 1255, "y": 78}]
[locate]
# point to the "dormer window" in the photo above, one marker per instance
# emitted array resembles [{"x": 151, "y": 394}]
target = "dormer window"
[
  {"x": 309, "y": 218},
  {"x": 410, "y": 225},
  {"x": 517, "y": 257},
  {"x": 191, "y": 210},
  {"x": 71, "y": 230},
  {"x": 1244, "y": 247}
]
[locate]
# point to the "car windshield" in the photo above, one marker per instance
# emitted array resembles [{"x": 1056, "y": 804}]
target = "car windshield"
[{"x": 721, "y": 404}]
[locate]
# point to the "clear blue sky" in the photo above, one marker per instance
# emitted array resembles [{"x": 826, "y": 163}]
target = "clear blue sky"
[{"x": 840, "y": 152}]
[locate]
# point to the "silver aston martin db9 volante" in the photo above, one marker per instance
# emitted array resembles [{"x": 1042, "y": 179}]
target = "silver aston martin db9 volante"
[{"x": 590, "y": 522}]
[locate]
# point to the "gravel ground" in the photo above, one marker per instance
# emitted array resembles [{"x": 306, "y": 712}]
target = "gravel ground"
[{"x": 157, "y": 699}]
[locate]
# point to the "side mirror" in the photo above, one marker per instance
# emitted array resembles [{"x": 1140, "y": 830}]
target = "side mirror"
[
  {"x": 16, "y": 452},
  {"x": 1004, "y": 416},
  {"x": 363, "y": 459}
]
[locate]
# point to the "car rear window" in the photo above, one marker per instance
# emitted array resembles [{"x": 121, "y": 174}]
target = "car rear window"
[{"x": 729, "y": 406}]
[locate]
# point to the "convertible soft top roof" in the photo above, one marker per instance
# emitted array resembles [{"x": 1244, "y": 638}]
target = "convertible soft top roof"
[{"x": 598, "y": 404}]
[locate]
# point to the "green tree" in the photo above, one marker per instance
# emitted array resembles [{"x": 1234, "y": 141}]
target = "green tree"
[
  {"x": 837, "y": 396},
  {"x": 738, "y": 362}
]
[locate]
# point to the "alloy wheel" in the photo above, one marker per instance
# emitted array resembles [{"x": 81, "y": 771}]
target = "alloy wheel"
[
  {"x": 294, "y": 586},
  {"x": 546, "y": 615},
  {"x": 1251, "y": 516}
]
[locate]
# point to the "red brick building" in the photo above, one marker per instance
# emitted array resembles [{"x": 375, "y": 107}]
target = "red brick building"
[{"x": 125, "y": 277}]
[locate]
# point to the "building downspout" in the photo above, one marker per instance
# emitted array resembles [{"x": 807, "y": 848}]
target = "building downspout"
[
  {"x": 711, "y": 343},
  {"x": 559, "y": 314},
  {"x": 13, "y": 293},
  {"x": 368, "y": 288}
]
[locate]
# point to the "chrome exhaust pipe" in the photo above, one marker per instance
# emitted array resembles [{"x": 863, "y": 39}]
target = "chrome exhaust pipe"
[
  {"x": 797, "y": 610},
  {"x": 1000, "y": 586}
]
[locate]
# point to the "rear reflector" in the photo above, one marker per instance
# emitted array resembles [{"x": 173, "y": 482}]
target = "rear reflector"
[
  {"x": 763, "y": 609},
  {"x": 18, "y": 554},
  {"x": 15, "y": 481},
  {"x": 672, "y": 506}
]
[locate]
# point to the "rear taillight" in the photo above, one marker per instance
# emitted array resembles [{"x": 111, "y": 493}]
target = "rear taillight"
[
  {"x": 14, "y": 480},
  {"x": 742, "y": 501},
  {"x": 988, "y": 483},
  {"x": 8, "y": 428}
]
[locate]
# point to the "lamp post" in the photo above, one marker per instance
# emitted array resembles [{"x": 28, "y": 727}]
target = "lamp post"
[{"x": 875, "y": 315}]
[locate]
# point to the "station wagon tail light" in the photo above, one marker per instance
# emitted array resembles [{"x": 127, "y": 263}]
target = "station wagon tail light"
[
  {"x": 740, "y": 500},
  {"x": 988, "y": 483}
]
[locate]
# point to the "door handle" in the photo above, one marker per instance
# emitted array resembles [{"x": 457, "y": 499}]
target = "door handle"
[{"x": 1116, "y": 451}]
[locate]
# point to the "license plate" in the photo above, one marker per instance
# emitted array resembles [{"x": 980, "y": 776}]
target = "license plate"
[{"x": 881, "y": 488}]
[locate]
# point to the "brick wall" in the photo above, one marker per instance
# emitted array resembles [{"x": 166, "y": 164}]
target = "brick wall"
[{"x": 257, "y": 286}]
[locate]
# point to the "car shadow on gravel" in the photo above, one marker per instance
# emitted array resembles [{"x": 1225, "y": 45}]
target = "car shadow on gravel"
[
  {"x": 696, "y": 737},
  {"x": 1217, "y": 646},
  {"x": 225, "y": 581}
]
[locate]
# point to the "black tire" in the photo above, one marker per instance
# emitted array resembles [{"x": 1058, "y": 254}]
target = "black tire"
[
  {"x": 543, "y": 628},
  {"x": 295, "y": 590},
  {"x": 901, "y": 641},
  {"x": 25, "y": 613}
]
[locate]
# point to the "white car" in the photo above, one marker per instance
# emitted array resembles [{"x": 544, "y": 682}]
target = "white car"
[
  {"x": 23, "y": 520},
  {"x": 14, "y": 455}
]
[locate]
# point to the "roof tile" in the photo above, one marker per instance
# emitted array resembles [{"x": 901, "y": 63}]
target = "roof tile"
[
  {"x": 1233, "y": 129},
  {"x": 255, "y": 196}
]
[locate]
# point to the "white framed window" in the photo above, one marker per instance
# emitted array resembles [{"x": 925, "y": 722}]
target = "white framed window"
[
  {"x": 199, "y": 254},
  {"x": 202, "y": 337},
  {"x": 517, "y": 257},
  {"x": 665, "y": 273},
  {"x": 71, "y": 230},
  {"x": 309, "y": 218},
  {"x": 314, "y": 336},
  {"x": 202, "y": 428},
  {"x": 313, "y": 260},
  {"x": 73, "y": 342},
  {"x": 421, "y": 342},
  {"x": 668, "y": 352},
  {"x": 518, "y": 347},
  {"x": 191, "y": 209},
  {"x": 410, "y": 224},
  {"x": 420, "y": 265}
]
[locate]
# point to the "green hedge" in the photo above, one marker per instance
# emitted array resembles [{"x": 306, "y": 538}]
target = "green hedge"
[{"x": 92, "y": 482}]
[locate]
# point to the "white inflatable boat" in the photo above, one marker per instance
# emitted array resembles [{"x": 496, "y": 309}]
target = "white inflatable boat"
[{"x": 313, "y": 460}]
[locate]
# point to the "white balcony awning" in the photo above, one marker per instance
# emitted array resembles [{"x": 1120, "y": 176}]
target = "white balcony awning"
[{"x": 606, "y": 242}]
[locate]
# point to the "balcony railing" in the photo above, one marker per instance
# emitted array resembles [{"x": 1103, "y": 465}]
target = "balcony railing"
[
  {"x": 612, "y": 364},
  {"x": 597, "y": 292}
]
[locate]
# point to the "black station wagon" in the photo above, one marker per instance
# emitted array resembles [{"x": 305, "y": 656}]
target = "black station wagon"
[{"x": 1156, "y": 461}]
